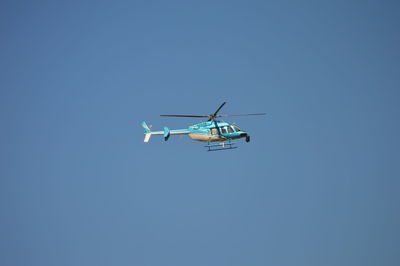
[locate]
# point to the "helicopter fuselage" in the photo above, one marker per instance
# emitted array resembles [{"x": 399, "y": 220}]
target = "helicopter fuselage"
[
  {"x": 210, "y": 131},
  {"x": 213, "y": 131}
]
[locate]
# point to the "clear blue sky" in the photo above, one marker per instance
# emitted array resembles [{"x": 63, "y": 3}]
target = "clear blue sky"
[{"x": 318, "y": 184}]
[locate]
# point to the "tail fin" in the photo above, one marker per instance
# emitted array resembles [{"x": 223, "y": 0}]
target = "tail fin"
[
  {"x": 147, "y": 132},
  {"x": 146, "y": 127},
  {"x": 147, "y": 137}
]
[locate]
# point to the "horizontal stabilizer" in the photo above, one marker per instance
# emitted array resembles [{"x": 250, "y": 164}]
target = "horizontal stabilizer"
[{"x": 167, "y": 133}]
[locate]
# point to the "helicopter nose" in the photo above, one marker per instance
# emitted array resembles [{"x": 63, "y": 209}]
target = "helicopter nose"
[{"x": 243, "y": 134}]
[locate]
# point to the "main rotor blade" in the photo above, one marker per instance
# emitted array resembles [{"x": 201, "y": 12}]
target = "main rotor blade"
[
  {"x": 186, "y": 115},
  {"x": 219, "y": 108},
  {"x": 241, "y": 115}
]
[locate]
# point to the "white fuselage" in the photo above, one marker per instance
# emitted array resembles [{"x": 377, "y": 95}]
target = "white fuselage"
[{"x": 206, "y": 137}]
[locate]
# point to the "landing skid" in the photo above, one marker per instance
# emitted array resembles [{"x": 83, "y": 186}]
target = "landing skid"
[{"x": 221, "y": 146}]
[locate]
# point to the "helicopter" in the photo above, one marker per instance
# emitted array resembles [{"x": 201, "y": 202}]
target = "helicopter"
[{"x": 208, "y": 131}]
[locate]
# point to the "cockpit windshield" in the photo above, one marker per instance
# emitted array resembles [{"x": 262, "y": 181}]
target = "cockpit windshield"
[{"x": 237, "y": 129}]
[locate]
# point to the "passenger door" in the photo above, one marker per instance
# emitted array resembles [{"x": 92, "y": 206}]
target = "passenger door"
[{"x": 214, "y": 131}]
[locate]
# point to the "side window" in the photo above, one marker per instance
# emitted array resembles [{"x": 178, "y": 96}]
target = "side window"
[
  {"x": 230, "y": 130},
  {"x": 214, "y": 131},
  {"x": 223, "y": 130}
]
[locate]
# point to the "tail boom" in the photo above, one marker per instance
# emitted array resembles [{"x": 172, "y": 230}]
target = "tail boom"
[{"x": 166, "y": 133}]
